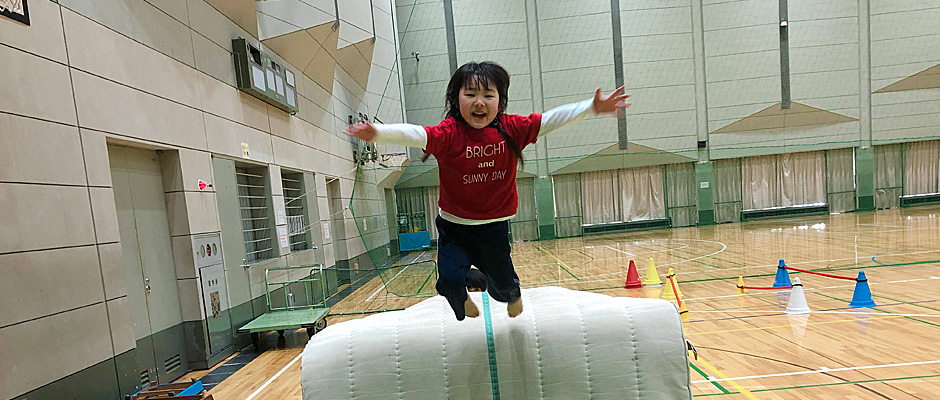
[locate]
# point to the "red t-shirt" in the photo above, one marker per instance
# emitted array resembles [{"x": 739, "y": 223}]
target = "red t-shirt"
[{"x": 477, "y": 168}]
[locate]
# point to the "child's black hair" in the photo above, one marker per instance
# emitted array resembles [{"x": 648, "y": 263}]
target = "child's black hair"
[
  {"x": 477, "y": 280},
  {"x": 481, "y": 75}
]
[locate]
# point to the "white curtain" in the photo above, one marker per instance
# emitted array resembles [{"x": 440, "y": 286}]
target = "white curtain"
[
  {"x": 727, "y": 189},
  {"x": 525, "y": 225},
  {"x": 567, "y": 191},
  {"x": 922, "y": 168},
  {"x": 783, "y": 180},
  {"x": 631, "y": 194},
  {"x": 681, "y": 194},
  {"x": 600, "y": 197},
  {"x": 434, "y": 193},
  {"x": 759, "y": 184},
  {"x": 840, "y": 179},
  {"x": 641, "y": 193},
  {"x": 888, "y": 175},
  {"x": 802, "y": 178}
]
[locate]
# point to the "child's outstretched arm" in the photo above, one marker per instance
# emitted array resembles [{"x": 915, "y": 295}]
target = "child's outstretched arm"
[
  {"x": 567, "y": 114},
  {"x": 401, "y": 134}
]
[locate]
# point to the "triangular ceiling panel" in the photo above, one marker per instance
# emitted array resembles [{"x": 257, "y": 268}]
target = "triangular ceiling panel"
[
  {"x": 613, "y": 158},
  {"x": 297, "y": 48},
  {"x": 926, "y": 79},
  {"x": 242, "y": 12},
  {"x": 776, "y": 118},
  {"x": 308, "y": 49}
]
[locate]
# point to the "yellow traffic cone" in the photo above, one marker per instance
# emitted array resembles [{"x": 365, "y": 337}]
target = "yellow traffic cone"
[
  {"x": 683, "y": 312},
  {"x": 652, "y": 277},
  {"x": 668, "y": 292},
  {"x": 741, "y": 289}
]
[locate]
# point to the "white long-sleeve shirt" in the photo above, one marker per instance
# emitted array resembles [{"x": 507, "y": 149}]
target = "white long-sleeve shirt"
[{"x": 417, "y": 136}]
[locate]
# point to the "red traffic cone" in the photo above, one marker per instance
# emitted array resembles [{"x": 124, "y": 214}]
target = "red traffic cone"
[{"x": 633, "y": 278}]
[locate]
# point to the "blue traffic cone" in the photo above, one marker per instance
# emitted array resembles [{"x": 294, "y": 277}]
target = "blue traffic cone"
[
  {"x": 862, "y": 295},
  {"x": 783, "y": 277}
]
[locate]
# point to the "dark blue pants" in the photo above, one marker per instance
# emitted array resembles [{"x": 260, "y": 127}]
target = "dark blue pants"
[{"x": 484, "y": 246}]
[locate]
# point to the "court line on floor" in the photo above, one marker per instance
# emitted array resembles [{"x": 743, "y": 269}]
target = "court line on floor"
[
  {"x": 810, "y": 290},
  {"x": 882, "y": 311},
  {"x": 535, "y": 284},
  {"x": 385, "y": 284},
  {"x": 776, "y": 312},
  {"x": 761, "y": 328},
  {"x": 557, "y": 261},
  {"x": 904, "y": 379},
  {"x": 819, "y": 371},
  {"x": 608, "y": 275},
  {"x": 724, "y": 378},
  {"x": 704, "y": 375},
  {"x": 624, "y": 252},
  {"x": 271, "y": 379}
]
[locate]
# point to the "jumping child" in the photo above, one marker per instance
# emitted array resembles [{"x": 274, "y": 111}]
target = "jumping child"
[{"x": 478, "y": 148}]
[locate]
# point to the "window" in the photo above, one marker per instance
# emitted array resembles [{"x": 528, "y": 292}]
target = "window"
[
  {"x": 298, "y": 228},
  {"x": 257, "y": 225}
]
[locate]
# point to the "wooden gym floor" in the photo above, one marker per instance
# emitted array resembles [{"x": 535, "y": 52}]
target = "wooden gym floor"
[{"x": 748, "y": 348}]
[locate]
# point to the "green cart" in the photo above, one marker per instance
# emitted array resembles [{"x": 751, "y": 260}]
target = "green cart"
[{"x": 311, "y": 315}]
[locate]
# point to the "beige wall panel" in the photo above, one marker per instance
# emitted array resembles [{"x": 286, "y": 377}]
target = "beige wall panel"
[
  {"x": 176, "y": 9},
  {"x": 41, "y": 351},
  {"x": 44, "y": 217},
  {"x": 43, "y": 35},
  {"x": 35, "y": 87},
  {"x": 37, "y": 151},
  {"x": 95, "y": 151},
  {"x": 293, "y": 155},
  {"x": 214, "y": 60},
  {"x": 182, "y": 170},
  {"x": 111, "y": 107},
  {"x": 192, "y": 212},
  {"x": 225, "y": 137},
  {"x": 122, "y": 324},
  {"x": 280, "y": 122},
  {"x": 183, "y": 256},
  {"x": 39, "y": 283},
  {"x": 209, "y": 22},
  {"x": 112, "y": 270},
  {"x": 305, "y": 133},
  {"x": 104, "y": 52},
  {"x": 105, "y": 215},
  {"x": 228, "y": 102},
  {"x": 190, "y": 299},
  {"x": 141, "y": 21},
  {"x": 329, "y": 255}
]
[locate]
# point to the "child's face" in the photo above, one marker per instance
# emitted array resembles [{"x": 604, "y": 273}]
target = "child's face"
[{"x": 478, "y": 105}]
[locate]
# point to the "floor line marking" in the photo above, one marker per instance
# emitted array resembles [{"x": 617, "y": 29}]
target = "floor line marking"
[
  {"x": 817, "y": 312},
  {"x": 385, "y": 284},
  {"x": 725, "y": 378},
  {"x": 819, "y": 371},
  {"x": 586, "y": 279},
  {"x": 611, "y": 274},
  {"x": 807, "y": 289},
  {"x": 624, "y": 252},
  {"x": 271, "y": 379},
  {"x": 558, "y": 262},
  {"x": 760, "y": 328}
]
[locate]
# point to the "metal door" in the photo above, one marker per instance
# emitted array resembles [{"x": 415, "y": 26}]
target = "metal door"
[{"x": 148, "y": 261}]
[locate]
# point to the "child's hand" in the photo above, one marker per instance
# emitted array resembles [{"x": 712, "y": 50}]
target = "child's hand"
[
  {"x": 362, "y": 130},
  {"x": 610, "y": 103}
]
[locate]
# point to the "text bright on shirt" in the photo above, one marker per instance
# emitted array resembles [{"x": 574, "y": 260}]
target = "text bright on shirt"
[{"x": 476, "y": 166}]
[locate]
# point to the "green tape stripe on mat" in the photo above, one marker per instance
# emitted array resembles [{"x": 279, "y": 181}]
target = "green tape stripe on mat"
[{"x": 490, "y": 346}]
